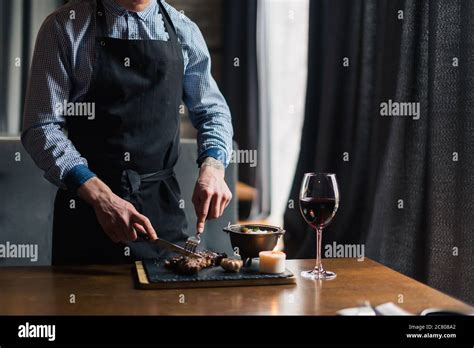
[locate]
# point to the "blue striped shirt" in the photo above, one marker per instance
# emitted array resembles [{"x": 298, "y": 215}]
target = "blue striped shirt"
[{"x": 61, "y": 70}]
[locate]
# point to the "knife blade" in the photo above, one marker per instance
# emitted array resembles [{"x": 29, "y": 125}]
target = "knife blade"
[{"x": 174, "y": 248}]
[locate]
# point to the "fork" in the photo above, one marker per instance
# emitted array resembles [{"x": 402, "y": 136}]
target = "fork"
[{"x": 193, "y": 242}]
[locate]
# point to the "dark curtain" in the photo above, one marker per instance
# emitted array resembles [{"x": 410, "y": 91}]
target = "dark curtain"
[
  {"x": 240, "y": 88},
  {"x": 407, "y": 189}
]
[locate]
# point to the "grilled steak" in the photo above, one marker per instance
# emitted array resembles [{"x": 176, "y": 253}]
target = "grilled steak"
[{"x": 183, "y": 265}]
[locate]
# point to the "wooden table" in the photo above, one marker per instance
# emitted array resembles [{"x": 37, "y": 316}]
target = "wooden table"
[{"x": 110, "y": 290}]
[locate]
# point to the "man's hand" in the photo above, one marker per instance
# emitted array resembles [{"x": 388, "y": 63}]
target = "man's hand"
[
  {"x": 118, "y": 218},
  {"x": 211, "y": 194}
]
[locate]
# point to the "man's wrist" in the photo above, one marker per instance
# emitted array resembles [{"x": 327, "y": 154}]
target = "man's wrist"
[
  {"x": 213, "y": 163},
  {"x": 214, "y": 152},
  {"x": 78, "y": 176},
  {"x": 94, "y": 191}
]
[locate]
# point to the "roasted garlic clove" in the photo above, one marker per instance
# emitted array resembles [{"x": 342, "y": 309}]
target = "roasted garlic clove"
[{"x": 232, "y": 265}]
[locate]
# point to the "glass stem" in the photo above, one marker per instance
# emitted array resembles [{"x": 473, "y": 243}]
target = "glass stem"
[{"x": 319, "y": 266}]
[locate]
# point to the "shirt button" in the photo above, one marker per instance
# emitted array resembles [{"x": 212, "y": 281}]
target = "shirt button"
[
  {"x": 102, "y": 43},
  {"x": 99, "y": 13}
]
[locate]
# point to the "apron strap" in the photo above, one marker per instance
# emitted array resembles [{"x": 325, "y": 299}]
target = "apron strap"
[
  {"x": 170, "y": 28},
  {"x": 131, "y": 180}
]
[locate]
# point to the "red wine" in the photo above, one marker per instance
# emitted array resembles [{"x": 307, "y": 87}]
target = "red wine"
[{"x": 317, "y": 211}]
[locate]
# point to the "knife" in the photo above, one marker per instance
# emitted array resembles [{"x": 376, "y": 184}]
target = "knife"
[
  {"x": 174, "y": 248},
  {"x": 167, "y": 245}
]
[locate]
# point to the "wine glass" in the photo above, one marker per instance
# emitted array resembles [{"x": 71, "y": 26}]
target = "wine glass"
[{"x": 319, "y": 200}]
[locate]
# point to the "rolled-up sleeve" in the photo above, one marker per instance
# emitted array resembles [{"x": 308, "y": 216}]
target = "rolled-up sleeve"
[
  {"x": 49, "y": 86},
  {"x": 208, "y": 110}
]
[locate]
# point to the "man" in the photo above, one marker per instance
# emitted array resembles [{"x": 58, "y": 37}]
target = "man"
[{"x": 129, "y": 63}]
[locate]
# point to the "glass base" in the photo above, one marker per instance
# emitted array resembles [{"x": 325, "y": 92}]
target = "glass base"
[{"x": 318, "y": 274}]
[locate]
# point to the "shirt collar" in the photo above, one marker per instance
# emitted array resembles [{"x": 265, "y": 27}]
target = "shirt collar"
[{"x": 115, "y": 9}]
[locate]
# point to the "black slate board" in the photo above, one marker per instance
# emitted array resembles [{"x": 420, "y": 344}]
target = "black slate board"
[{"x": 157, "y": 276}]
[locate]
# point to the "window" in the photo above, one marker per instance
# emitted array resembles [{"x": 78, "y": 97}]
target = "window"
[{"x": 282, "y": 57}]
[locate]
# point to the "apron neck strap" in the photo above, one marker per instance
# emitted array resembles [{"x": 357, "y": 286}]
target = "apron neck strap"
[
  {"x": 101, "y": 22},
  {"x": 170, "y": 28}
]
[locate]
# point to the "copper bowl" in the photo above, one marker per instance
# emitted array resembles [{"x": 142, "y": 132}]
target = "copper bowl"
[{"x": 249, "y": 245}]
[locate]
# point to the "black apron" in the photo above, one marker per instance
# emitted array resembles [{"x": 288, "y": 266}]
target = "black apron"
[{"x": 132, "y": 144}]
